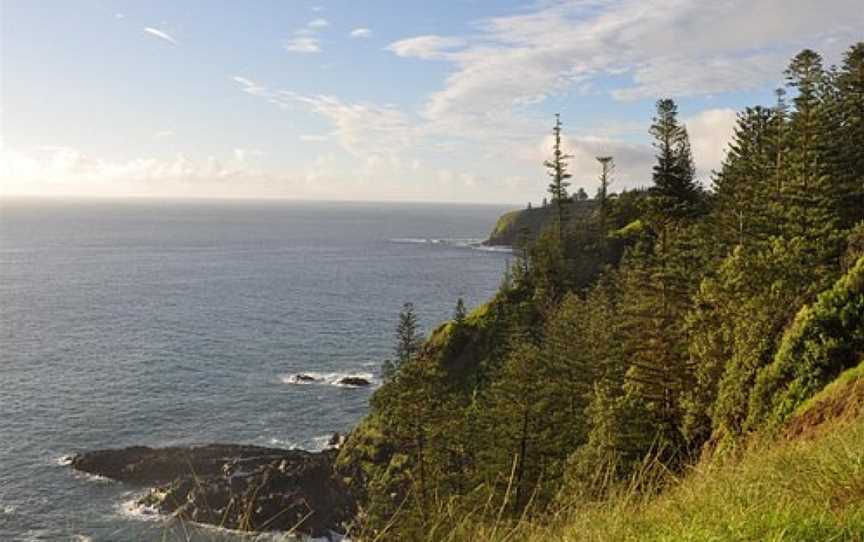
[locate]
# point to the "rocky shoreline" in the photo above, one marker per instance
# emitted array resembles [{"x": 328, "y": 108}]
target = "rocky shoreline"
[{"x": 247, "y": 488}]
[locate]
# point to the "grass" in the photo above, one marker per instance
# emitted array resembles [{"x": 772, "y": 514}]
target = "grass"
[{"x": 788, "y": 490}]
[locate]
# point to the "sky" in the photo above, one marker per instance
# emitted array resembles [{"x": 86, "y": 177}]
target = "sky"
[{"x": 449, "y": 101}]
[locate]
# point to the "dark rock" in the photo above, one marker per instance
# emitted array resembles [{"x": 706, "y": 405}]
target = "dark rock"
[
  {"x": 354, "y": 381},
  {"x": 303, "y": 377},
  {"x": 248, "y": 488},
  {"x": 148, "y": 466}
]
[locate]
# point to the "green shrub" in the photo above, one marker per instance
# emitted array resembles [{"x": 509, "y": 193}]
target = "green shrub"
[{"x": 825, "y": 339}]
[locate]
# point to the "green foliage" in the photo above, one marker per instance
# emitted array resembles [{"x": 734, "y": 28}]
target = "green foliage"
[
  {"x": 557, "y": 171},
  {"x": 629, "y": 339},
  {"x": 825, "y": 339},
  {"x": 737, "y": 320},
  {"x": 675, "y": 194},
  {"x": 459, "y": 313},
  {"x": 805, "y": 490},
  {"x": 854, "y": 247}
]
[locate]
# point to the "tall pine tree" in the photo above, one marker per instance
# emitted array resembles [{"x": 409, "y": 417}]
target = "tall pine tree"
[{"x": 557, "y": 170}]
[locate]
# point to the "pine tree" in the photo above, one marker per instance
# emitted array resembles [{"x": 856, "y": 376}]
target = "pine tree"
[
  {"x": 513, "y": 420},
  {"x": 408, "y": 341},
  {"x": 847, "y": 134},
  {"x": 742, "y": 210},
  {"x": 675, "y": 194},
  {"x": 581, "y": 195},
  {"x": 607, "y": 164},
  {"x": 459, "y": 313},
  {"x": 658, "y": 285},
  {"x": 809, "y": 191},
  {"x": 557, "y": 171}
]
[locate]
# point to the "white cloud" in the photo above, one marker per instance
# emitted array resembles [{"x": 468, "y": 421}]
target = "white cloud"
[
  {"x": 313, "y": 138},
  {"x": 119, "y": 15},
  {"x": 318, "y": 23},
  {"x": 710, "y": 133},
  {"x": 657, "y": 47},
  {"x": 361, "y": 33},
  {"x": 303, "y": 44},
  {"x": 364, "y": 130},
  {"x": 161, "y": 35},
  {"x": 427, "y": 47},
  {"x": 164, "y": 134},
  {"x": 65, "y": 170}
]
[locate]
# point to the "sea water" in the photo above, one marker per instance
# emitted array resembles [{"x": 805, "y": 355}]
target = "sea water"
[{"x": 163, "y": 323}]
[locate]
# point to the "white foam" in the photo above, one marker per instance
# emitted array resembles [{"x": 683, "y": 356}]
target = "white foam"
[
  {"x": 410, "y": 240},
  {"x": 82, "y": 538},
  {"x": 320, "y": 443},
  {"x": 331, "y": 379},
  {"x": 133, "y": 509},
  {"x": 462, "y": 242},
  {"x": 495, "y": 248},
  {"x": 282, "y": 443},
  {"x": 64, "y": 460},
  {"x": 8, "y": 510},
  {"x": 96, "y": 478}
]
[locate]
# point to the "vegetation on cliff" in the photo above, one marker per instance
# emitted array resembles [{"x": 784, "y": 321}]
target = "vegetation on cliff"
[{"x": 665, "y": 332}]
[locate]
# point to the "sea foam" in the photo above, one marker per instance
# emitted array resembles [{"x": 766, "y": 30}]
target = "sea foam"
[{"x": 330, "y": 379}]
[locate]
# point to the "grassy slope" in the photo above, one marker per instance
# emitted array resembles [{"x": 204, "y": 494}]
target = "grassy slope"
[{"x": 805, "y": 487}]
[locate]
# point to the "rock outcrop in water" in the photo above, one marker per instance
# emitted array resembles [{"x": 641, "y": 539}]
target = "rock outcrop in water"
[
  {"x": 248, "y": 488},
  {"x": 354, "y": 382}
]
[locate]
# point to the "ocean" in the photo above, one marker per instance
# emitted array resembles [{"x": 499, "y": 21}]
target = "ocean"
[{"x": 156, "y": 322}]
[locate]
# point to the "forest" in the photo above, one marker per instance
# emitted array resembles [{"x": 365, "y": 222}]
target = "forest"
[{"x": 670, "y": 327}]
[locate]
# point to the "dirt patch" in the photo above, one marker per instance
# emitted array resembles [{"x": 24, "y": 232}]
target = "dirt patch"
[{"x": 845, "y": 403}]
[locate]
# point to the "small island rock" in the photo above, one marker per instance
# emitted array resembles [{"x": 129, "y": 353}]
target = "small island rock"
[{"x": 354, "y": 381}]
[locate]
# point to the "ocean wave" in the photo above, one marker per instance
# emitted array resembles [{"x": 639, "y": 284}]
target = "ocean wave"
[
  {"x": 331, "y": 379},
  {"x": 473, "y": 244},
  {"x": 95, "y": 478},
  {"x": 133, "y": 509},
  {"x": 494, "y": 248},
  {"x": 451, "y": 242},
  {"x": 63, "y": 460}
]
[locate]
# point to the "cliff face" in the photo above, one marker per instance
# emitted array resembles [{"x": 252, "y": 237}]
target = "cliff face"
[{"x": 530, "y": 222}]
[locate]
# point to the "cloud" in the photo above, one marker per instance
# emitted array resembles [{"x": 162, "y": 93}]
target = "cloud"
[
  {"x": 303, "y": 44},
  {"x": 66, "y": 170},
  {"x": 710, "y": 133},
  {"x": 313, "y": 138},
  {"x": 361, "y": 33},
  {"x": 427, "y": 47},
  {"x": 164, "y": 134},
  {"x": 653, "y": 48},
  {"x": 318, "y": 23},
  {"x": 161, "y": 35},
  {"x": 365, "y": 130},
  {"x": 119, "y": 15}
]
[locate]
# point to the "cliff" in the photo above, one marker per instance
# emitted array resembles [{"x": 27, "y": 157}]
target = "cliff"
[{"x": 510, "y": 226}]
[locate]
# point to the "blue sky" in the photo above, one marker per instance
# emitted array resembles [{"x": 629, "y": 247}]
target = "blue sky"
[{"x": 428, "y": 101}]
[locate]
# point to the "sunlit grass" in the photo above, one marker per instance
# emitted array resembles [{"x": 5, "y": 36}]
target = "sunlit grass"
[{"x": 802, "y": 490}]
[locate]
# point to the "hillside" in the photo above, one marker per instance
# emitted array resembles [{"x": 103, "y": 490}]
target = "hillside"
[
  {"x": 530, "y": 222},
  {"x": 633, "y": 374},
  {"x": 805, "y": 485}
]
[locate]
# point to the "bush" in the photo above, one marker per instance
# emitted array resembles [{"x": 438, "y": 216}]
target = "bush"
[{"x": 825, "y": 339}]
